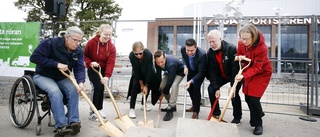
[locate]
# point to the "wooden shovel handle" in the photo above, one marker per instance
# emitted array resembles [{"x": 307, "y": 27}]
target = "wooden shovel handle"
[
  {"x": 144, "y": 109},
  {"x": 107, "y": 88},
  {"x": 84, "y": 95},
  {"x": 233, "y": 88},
  {"x": 159, "y": 110}
]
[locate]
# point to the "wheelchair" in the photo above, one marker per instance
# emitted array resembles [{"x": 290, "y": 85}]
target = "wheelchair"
[{"x": 23, "y": 103}]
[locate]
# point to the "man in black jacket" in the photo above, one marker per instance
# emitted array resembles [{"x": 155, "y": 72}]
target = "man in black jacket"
[
  {"x": 173, "y": 75},
  {"x": 195, "y": 65},
  {"x": 222, "y": 68}
]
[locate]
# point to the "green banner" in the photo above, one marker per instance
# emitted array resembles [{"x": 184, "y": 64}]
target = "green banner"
[{"x": 17, "y": 42}]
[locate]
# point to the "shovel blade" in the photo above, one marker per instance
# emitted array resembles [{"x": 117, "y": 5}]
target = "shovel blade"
[
  {"x": 124, "y": 122},
  {"x": 148, "y": 124},
  {"x": 217, "y": 119},
  {"x": 110, "y": 129}
]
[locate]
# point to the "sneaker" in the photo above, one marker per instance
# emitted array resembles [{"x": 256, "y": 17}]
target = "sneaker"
[
  {"x": 132, "y": 115},
  {"x": 236, "y": 121},
  {"x": 93, "y": 117},
  {"x": 64, "y": 130},
  {"x": 147, "y": 108},
  {"x": 75, "y": 126},
  {"x": 102, "y": 114}
]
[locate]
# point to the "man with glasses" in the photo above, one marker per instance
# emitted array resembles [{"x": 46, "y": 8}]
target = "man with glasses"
[
  {"x": 195, "y": 66},
  {"x": 222, "y": 68},
  {"x": 65, "y": 54}
]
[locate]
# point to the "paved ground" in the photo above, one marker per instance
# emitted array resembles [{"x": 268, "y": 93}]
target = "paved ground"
[
  {"x": 275, "y": 124},
  {"x": 279, "y": 121}
]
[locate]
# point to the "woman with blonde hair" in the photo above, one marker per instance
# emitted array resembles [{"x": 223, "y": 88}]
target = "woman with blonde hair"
[
  {"x": 100, "y": 51},
  {"x": 143, "y": 77}
]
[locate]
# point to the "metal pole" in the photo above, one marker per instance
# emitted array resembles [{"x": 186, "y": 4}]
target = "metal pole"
[
  {"x": 279, "y": 46},
  {"x": 307, "y": 118},
  {"x": 314, "y": 94}
]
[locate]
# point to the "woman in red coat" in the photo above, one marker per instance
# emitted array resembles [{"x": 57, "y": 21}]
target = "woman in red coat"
[{"x": 257, "y": 76}]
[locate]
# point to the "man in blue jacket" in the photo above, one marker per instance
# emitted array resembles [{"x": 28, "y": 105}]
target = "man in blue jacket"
[
  {"x": 195, "y": 66},
  {"x": 173, "y": 75},
  {"x": 65, "y": 54}
]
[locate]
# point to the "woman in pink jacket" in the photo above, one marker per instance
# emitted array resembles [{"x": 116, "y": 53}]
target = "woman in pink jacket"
[{"x": 257, "y": 76}]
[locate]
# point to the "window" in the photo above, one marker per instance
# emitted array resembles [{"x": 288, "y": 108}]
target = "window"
[
  {"x": 165, "y": 41},
  {"x": 294, "y": 42},
  {"x": 183, "y": 33}
]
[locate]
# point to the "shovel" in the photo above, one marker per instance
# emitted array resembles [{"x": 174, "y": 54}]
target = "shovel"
[
  {"x": 159, "y": 110},
  {"x": 123, "y": 121},
  {"x": 106, "y": 126},
  {"x": 184, "y": 103},
  {"x": 233, "y": 88},
  {"x": 210, "y": 117},
  {"x": 145, "y": 123}
]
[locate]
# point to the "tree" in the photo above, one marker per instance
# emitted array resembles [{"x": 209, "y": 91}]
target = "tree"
[{"x": 87, "y": 14}]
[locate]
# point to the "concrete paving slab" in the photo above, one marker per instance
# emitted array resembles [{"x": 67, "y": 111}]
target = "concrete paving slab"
[
  {"x": 202, "y": 128},
  {"x": 148, "y": 132}
]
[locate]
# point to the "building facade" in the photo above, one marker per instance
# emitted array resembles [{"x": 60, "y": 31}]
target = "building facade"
[{"x": 298, "y": 33}]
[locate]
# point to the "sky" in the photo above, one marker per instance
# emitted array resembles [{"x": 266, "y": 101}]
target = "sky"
[
  {"x": 151, "y": 9},
  {"x": 132, "y": 9},
  {"x": 9, "y": 13}
]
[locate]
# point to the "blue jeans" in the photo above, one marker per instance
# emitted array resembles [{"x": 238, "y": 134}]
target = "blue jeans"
[{"x": 56, "y": 91}]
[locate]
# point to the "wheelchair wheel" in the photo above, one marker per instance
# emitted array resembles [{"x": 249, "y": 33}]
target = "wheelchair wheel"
[{"x": 22, "y": 101}]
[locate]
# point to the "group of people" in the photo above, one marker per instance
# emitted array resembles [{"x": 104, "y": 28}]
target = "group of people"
[
  {"x": 65, "y": 54},
  {"x": 159, "y": 73}
]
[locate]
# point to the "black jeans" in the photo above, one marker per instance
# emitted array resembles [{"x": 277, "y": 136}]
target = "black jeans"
[
  {"x": 256, "y": 111},
  {"x": 135, "y": 91},
  {"x": 194, "y": 91},
  {"x": 236, "y": 101},
  {"x": 97, "y": 94}
]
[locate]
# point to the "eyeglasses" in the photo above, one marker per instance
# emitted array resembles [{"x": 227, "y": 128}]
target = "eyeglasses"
[
  {"x": 138, "y": 53},
  {"x": 245, "y": 39},
  {"x": 75, "y": 40}
]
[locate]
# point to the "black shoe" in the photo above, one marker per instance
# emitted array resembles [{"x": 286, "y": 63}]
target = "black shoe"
[
  {"x": 168, "y": 116},
  {"x": 64, "y": 130},
  {"x": 75, "y": 126},
  {"x": 258, "y": 130},
  {"x": 173, "y": 109},
  {"x": 236, "y": 121}
]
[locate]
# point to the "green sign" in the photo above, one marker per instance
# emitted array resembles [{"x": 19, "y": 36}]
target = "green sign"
[{"x": 17, "y": 42}]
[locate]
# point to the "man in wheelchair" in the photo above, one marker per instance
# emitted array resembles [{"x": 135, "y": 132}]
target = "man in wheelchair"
[{"x": 65, "y": 54}]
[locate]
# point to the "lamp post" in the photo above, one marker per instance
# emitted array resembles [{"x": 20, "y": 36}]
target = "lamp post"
[{"x": 279, "y": 43}]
